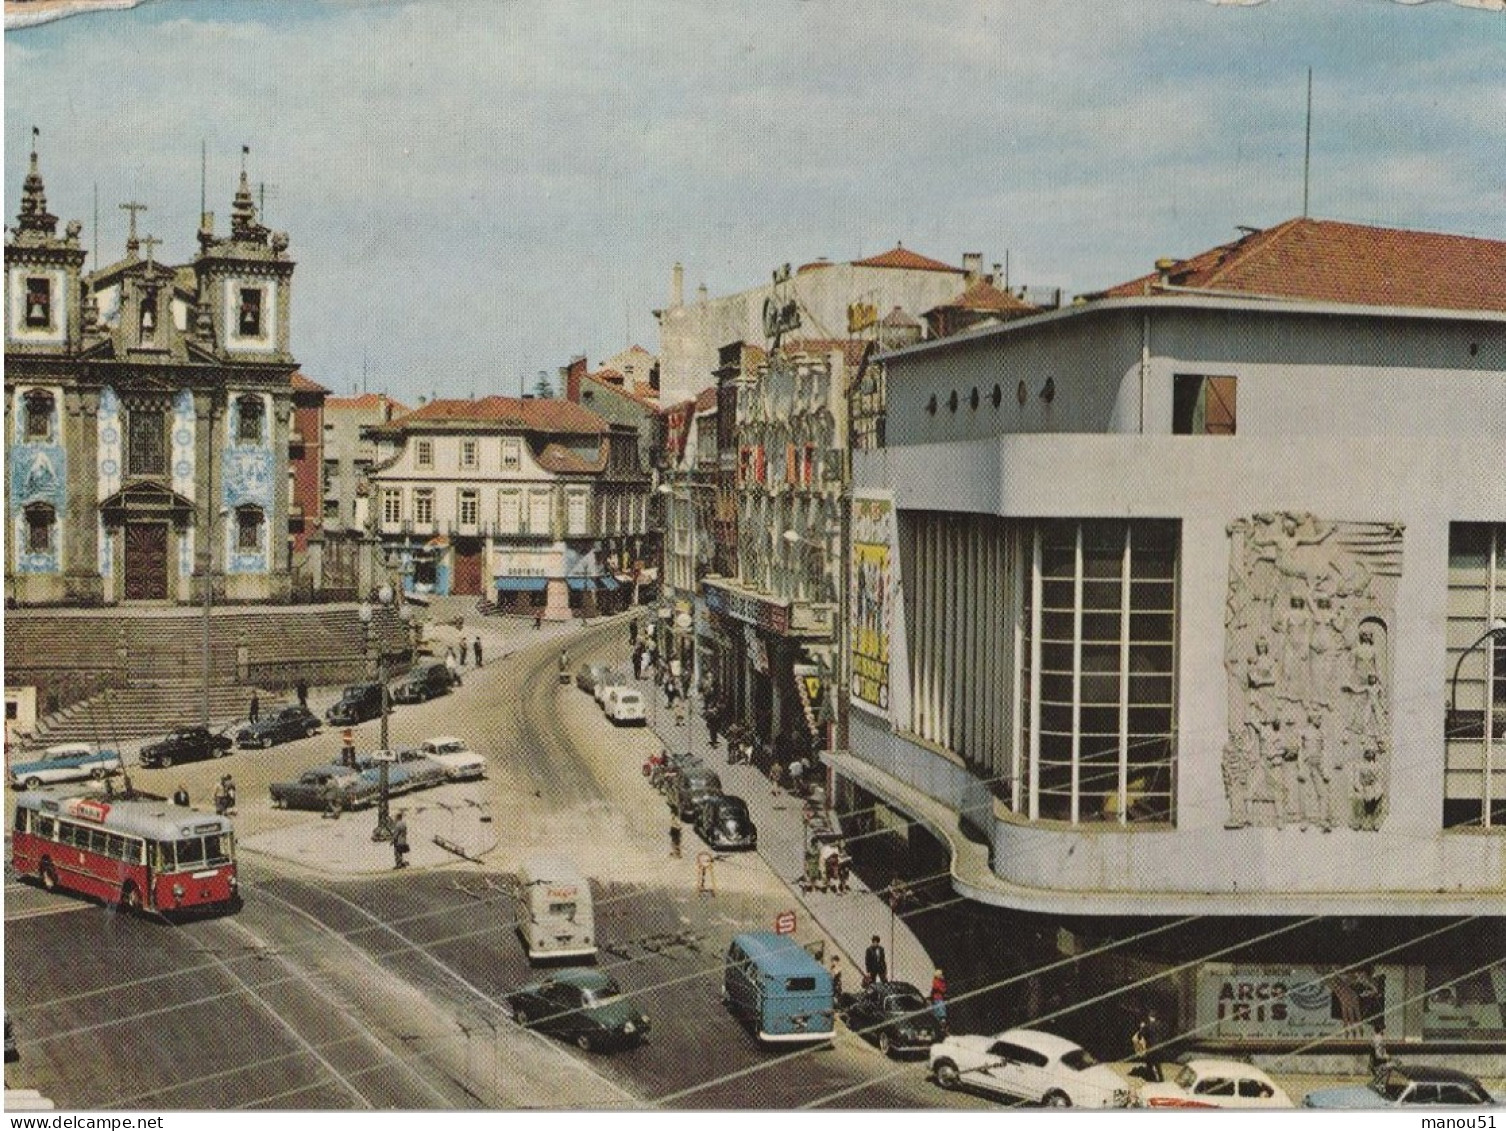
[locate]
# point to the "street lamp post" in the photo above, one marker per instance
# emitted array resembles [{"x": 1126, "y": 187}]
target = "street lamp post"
[
  {"x": 1487, "y": 728},
  {"x": 377, "y": 659}
]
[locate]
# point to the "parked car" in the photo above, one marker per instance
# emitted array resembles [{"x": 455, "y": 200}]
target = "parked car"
[
  {"x": 460, "y": 762},
  {"x": 356, "y": 704},
  {"x": 582, "y": 1005},
  {"x": 665, "y": 773},
  {"x": 311, "y": 789},
  {"x": 626, "y": 705},
  {"x": 425, "y": 682},
  {"x": 692, "y": 788},
  {"x": 1028, "y": 1065},
  {"x": 1203, "y": 1082},
  {"x": 284, "y": 724},
  {"x": 895, "y": 1016},
  {"x": 69, "y": 761},
  {"x": 186, "y": 744},
  {"x": 1412, "y": 1085},
  {"x": 724, "y": 824},
  {"x": 412, "y": 769},
  {"x": 587, "y": 675},
  {"x": 605, "y": 681}
]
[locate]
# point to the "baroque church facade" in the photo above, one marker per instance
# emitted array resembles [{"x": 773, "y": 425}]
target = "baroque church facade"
[{"x": 149, "y": 411}]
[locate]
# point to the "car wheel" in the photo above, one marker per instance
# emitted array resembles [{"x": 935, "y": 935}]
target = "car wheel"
[
  {"x": 266, "y": 743},
  {"x": 585, "y": 1042},
  {"x": 1056, "y": 1099},
  {"x": 886, "y": 1046},
  {"x": 33, "y": 782},
  {"x": 219, "y": 751},
  {"x": 98, "y": 773},
  {"x": 130, "y": 899},
  {"x": 947, "y": 1075},
  {"x": 165, "y": 761},
  {"x": 48, "y": 875}
]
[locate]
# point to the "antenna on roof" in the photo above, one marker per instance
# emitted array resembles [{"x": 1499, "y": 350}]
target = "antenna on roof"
[
  {"x": 1307, "y": 145},
  {"x": 203, "y": 178}
]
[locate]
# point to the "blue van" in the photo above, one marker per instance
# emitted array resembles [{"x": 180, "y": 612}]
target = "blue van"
[{"x": 772, "y": 983}]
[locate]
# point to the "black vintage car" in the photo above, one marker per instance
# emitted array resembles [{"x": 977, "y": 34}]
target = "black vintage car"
[
  {"x": 356, "y": 704},
  {"x": 186, "y": 744},
  {"x": 424, "y": 683},
  {"x": 282, "y": 725},
  {"x": 581, "y": 1005},
  {"x": 895, "y": 1016},
  {"x": 724, "y": 824}
]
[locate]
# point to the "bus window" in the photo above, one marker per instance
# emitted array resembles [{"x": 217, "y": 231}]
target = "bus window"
[
  {"x": 564, "y": 911},
  {"x": 160, "y": 856},
  {"x": 22, "y": 820},
  {"x": 99, "y": 842},
  {"x": 44, "y": 826},
  {"x": 190, "y": 853},
  {"x": 217, "y": 849}
]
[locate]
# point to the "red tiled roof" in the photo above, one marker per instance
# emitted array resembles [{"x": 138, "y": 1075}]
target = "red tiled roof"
[
  {"x": 901, "y": 256},
  {"x": 898, "y": 317},
  {"x": 538, "y": 415},
  {"x": 645, "y": 399},
  {"x": 852, "y": 348},
  {"x": 366, "y": 400},
  {"x": 304, "y": 385},
  {"x": 706, "y": 399},
  {"x": 985, "y": 297},
  {"x": 1331, "y": 261},
  {"x": 562, "y": 461}
]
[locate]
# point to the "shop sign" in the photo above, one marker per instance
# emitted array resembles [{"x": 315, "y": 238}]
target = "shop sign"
[
  {"x": 749, "y": 610},
  {"x": 1259, "y": 1003}
]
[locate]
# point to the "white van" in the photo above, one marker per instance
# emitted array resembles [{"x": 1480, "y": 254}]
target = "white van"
[
  {"x": 555, "y": 919},
  {"x": 625, "y": 705}
]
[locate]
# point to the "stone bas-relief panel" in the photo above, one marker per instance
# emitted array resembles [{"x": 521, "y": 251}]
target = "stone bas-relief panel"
[{"x": 1307, "y": 639}]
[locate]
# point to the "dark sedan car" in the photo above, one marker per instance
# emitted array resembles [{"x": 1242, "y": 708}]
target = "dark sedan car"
[
  {"x": 895, "y": 1016},
  {"x": 186, "y": 744},
  {"x": 424, "y": 683},
  {"x": 356, "y": 704},
  {"x": 311, "y": 790},
  {"x": 581, "y": 1005},
  {"x": 282, "y": 725},
  {"x": 723, "y": 823}
]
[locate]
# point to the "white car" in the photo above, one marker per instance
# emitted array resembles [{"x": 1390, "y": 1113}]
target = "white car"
[
  {"x": 70, "y": 761},
  {"x": 1204, "y": 1082},
  {"x": 625, "y": 705},
  {"x": 460, "y": 762},
  {"x": 1028, "y": 1065},
  {"x": 609, "y": 679}
]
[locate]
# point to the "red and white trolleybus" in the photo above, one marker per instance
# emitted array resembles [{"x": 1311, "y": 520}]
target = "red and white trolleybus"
[{"x": 141, "y": 854}]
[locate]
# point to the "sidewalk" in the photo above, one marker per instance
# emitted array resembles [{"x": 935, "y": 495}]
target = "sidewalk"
[{"x": 848, "y": 921}]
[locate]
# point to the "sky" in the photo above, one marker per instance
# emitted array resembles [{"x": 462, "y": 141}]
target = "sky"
[{"x": 477, "y": 190}]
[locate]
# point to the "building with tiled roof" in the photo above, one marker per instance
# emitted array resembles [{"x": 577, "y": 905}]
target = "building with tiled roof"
[
  {"x": 348, "y": 457},
  {"x": 1329, "y": 261},
  {"x": 538, "y": 505},
  {"x": 1183, "y": 601},
  {"x": 825, "y": 295},
  {"x": 981, "y": 304},
  {"x": 614, "y": 392}
]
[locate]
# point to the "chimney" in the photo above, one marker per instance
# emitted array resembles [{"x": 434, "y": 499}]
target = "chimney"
[
  {"x": 573, "y": 374},
  {"x": 972, "y": 265},
  {"x": 677, "y": 287},
  {"x": 1163, "y": 270}
]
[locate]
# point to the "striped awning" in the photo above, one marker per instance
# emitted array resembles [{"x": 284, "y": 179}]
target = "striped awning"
[{"x": 522, "y": 584}]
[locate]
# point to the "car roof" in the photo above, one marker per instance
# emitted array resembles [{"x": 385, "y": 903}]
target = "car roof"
[
  {"x": 582, "y": 977},
  {"x": 1211, "y": 1064},
  {"x": 1039, "y": 1040},
  {"x": 896, "y": 988},
  {"x": 1430, "y": 1073},
  {"x": 441, "y": 739},
  {"x": 778, "y": 954}
]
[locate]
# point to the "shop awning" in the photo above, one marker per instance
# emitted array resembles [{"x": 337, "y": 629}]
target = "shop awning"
[
  {"x": 607, "y": 581},
  {"x": 578, "y": 584},
  {"x": 522, "y": 584}
]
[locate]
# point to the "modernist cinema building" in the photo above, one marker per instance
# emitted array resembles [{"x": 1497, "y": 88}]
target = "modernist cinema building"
[{"x": 1189, "y": 599}]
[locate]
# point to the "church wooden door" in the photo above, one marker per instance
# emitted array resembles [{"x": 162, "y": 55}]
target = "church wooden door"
[
  {"x": 146, "y": 561},
  {"x": 467, "y": 579}
]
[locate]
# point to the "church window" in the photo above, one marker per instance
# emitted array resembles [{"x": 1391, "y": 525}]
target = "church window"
[
  {"x": 423, "y": 506},
  {"x": 41, "y": 521},
  {"x": 250, "y": 312},
  {"x": 423, "y": 453},
  {"x": 146, "y": 442},
  {"x": 38, "y": 415},
  {"x": 248, "y": 525},
  {"x": 252, "y": 416},
  {"x": 39, "y": 303},
  {"x": 468, "y": 454}
]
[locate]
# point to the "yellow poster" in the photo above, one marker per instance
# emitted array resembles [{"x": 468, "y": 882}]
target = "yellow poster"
[{"x": 871, "y": 586}]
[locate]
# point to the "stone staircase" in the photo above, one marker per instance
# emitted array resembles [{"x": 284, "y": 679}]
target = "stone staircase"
[{"x": 107, "y": 677}]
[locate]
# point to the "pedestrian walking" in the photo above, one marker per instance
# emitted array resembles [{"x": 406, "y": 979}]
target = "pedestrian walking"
[
  {"x": 797, "y": 777},
  {"x": 476, "y": 650},
  {"x": 464, "y": 647},
  {"x": 713, "y": 723},
  {"x": 348, "y": 748},
  {"x": 675, "y": 834},
  {"x": 334, "y": 800},
  {"x": 254, "y": 711},
  {"x": 679, "y": 712},
  {"x": 776, "y": 776},
  {"x": 229, "y": 794},
  {"x": 633, "y": 631},
  {"x": 938, "y": 1001},
  {"x": 302, "y": 687},
  {"x": 221, "y": 799},
  {"x": 1146, "y": 1042},
  {"x": 449, "y": 662},
  {"x": 1379, "y": 1057},
  {"x": 875, "y": 963},
  {"x": 836, "y": 980},
  {"x": 180, "y": 795},
  {"x": 399, "y": 841},
  {"x": 538, "y": 621}
]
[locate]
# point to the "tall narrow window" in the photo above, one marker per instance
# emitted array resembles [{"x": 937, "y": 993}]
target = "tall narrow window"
[
  {"x": 423, "y": 453},
  {"x": 468, "y": 454},
  {"x": 39, "y": 303},
  {"x": 392, "y": 506},
  {"x": 41, "y": 522},
  {"x": 248, "y": 527},
  {"x": 423, "y": 506},
  {"x": 470, "y": 506},
  {"x": 1100, "y": 659},
  {"x": 509, "y": 512},
  {"x": 252, "y": 419},
  {"x": 38, "y": 408},
  {"x": 1474, "y": 775},
  {"x": 249, "y": 321},
  {"x": 149, "y": 315},
  {"x": 1202, "y": 406},
  {"x": 512, "y": 454},
  {"x": 146, "y": 442}
]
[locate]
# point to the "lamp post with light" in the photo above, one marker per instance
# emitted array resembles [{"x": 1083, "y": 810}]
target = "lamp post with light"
[{"x": 376, "y": 659}]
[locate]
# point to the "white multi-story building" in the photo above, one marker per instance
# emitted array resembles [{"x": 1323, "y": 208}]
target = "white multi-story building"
[
  {"x": 1164, "y": 594},
  {"x": 539, "y": 504}
]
